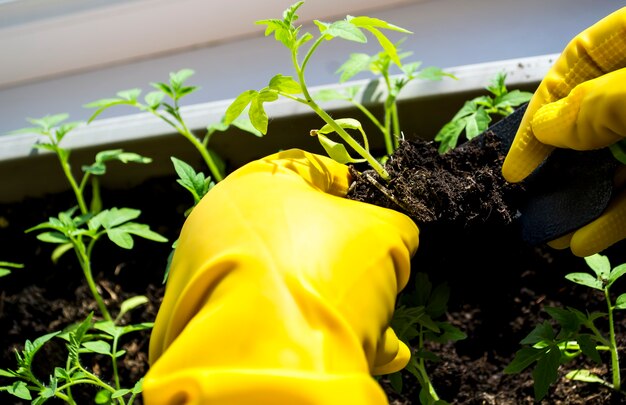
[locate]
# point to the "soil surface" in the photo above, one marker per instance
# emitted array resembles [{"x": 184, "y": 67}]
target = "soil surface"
[{"x": 469, "y": 238}]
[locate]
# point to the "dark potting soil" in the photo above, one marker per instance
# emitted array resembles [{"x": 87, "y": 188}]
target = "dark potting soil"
[{"x": 469, "y": 239}]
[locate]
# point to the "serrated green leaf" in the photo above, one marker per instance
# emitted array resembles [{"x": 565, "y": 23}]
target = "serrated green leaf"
[
  {"x": 285, "y": 84},
  {"x": 129, "y": 95},
  {"x": 48, "y": 122},
  {"x": 567, "y": 319},
  {"x": 98, "y": 346},
  {"x": 524, "y": 358},
  {"x": 258, "y": 116},
  {"x": 120, "y": 238},
  {"x": 513, "y": 98},
  {"x": 476, "y": 123},
  {"x": 546, "y": 372},
  {"x": 153, "y": 99},
  {"x": 356, "y": 63},
  {"x": 163, "y": 87},
  {"x": 434, "y": 74},
  {"x": 386, "y": 44},
  {"x": 240, "y": 103},
  {"x": 448, "y": 135},
  {"x": 346, "y": 30},
  {"x": 178, "y": 78},
  {"x": 588, "y": 347}
]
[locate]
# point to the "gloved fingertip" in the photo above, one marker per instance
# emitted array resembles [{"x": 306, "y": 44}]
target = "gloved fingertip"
[{"x": 561, "y": 243}]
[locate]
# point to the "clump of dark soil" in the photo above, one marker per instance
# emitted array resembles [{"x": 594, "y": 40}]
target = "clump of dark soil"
[{"x": 469, "y": 238}]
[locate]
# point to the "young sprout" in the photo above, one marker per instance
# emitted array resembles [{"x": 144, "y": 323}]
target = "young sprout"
[{"x": 290, "y": 35}]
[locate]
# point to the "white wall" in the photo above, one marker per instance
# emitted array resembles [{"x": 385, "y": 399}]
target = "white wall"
[{"x": 447, "y": 33}]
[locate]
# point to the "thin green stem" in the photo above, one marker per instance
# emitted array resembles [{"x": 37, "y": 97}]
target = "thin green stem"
[
  {"x": 327, "y": 118},
  {"x": 116, "y": 375},
  {"x": 85, "y": 263},
  {"x": 199, "y": 145},
  {"x": 613, "y": 344},
  {"x": 67, "y": 170}
]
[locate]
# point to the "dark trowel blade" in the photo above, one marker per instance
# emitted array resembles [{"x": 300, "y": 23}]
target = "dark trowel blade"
[{"x": 568, "y": 190}]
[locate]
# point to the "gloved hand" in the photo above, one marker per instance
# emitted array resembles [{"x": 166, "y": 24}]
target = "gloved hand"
[
  {"x": 281, "y": 292},
  {"x": 580, "y": 104}
]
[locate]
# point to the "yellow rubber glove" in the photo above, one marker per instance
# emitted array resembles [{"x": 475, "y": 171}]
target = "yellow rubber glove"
[
  {"x": 281, "y": 292},
  {"x": 581, "y": 105}
]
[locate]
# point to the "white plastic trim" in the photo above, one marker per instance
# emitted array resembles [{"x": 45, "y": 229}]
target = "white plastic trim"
[{"x": 144, "y": 125}]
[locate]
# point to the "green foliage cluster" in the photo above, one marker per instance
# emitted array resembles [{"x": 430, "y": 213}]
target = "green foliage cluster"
[
  {"x": 577, "y": 334},
  {"x": 419, "y": 320}
]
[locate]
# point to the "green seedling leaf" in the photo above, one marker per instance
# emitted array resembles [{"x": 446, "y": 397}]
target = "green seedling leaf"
[
  {"x": 6, "y": 267},
  {"x": 524, "y": 358},
  {"x": 7, "y": 373},
  {"x": 103, "y": 397},
  {"x": 336, "y": 150},
  {"x": 600, "y": 265},
  {"x": 121, "y": 235},
  {"x": 568, "y": 320},
  {"x": 164, "y": 88},
  {"x": 20, "y": 390},
  {"x": 616, "y": 273},
  {"x": 257, "y": 114},
  {"x": 59, "y": 251},
  {"x": 129, "y": 95},
  {"x": 356, "y": 63},
  {"x": 98, "y": 168},
  {"x": 53, "y": 237},
  {"x": 177, "y": 79},
  {"x": 546, "y": 372},
  {"x": 588, "y": 347},
  {"x": 120, "y": 393},
  {"x": 47, "y": 123},
  {"x": 586, "y": 376},
  {"x": 513, "y": 99},
  {"x": 476, "y": 123},
  {"x": 132, "y": 303},
  {"x": 395, "y": 380},
  {"x": 365, "y": 22},
  {"x": 98, "y": 346},
  {"x": 342, "y": 29},
  {"x": 194, "y": 182},
  {"x": 154, "y": 99},
  {"x": 240, "y": 103},
  {"x": 285, "y": 84},
  {"x": 585, "y": 279},
  {"x": 618, "y": 150},
  {"x": 138, "y": 387},
  {"x": 541, "y": 333},
  {"x": 620, "y": 302},
  {"x": 448, "y": 135},
  {"x": 433, "y": 73}
]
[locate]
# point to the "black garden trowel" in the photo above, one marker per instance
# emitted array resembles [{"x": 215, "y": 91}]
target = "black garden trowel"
[{"x": 568, "y": 190}]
